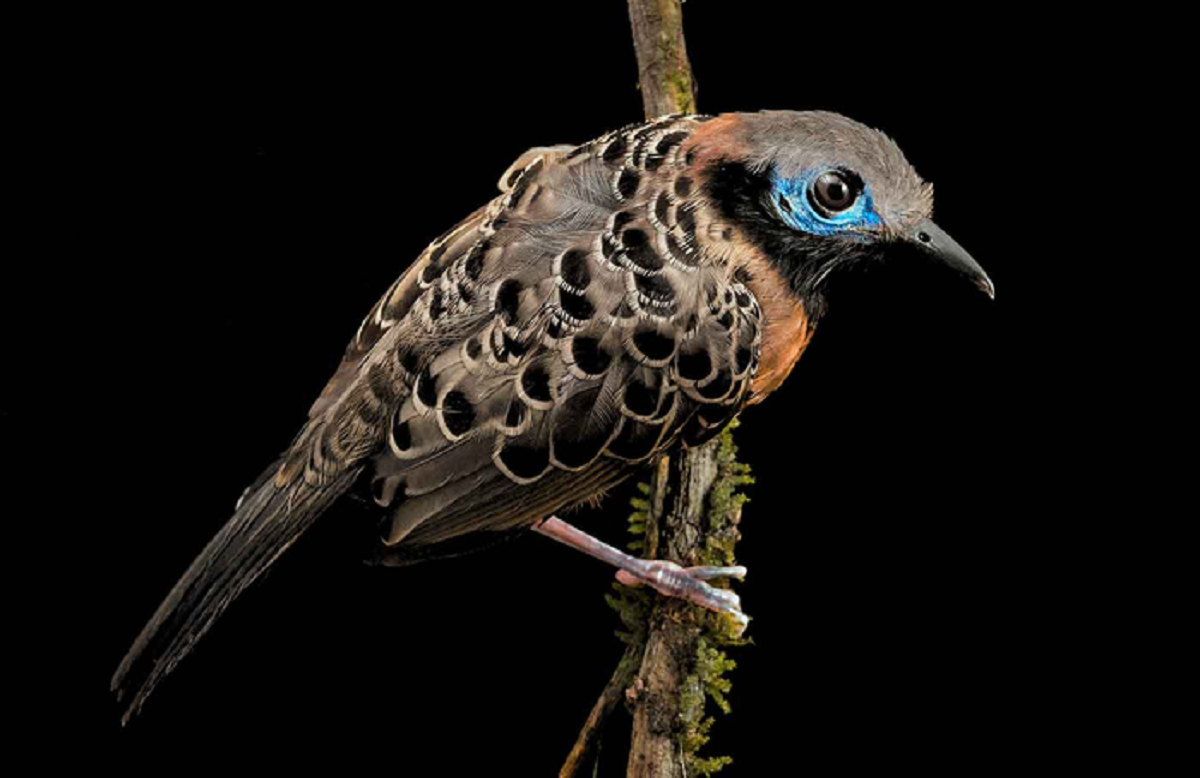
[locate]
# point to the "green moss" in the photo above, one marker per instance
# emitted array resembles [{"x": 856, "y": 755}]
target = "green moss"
[
  {"x": 709, "y": 680},
  {"x": 633, "y": 605},
  {"x": 679, "y": 86}
]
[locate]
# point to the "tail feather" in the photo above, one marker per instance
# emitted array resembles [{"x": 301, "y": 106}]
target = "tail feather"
[{"x": 268, "y": 519}]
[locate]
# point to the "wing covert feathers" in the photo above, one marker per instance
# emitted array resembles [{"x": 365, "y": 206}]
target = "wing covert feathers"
[{"x": 591, "y": 315}]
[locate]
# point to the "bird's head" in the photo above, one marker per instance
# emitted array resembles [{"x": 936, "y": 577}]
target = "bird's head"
[{"x": 818, "y": 192}]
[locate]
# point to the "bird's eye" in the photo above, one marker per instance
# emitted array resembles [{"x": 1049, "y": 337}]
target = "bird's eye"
[{"x": 834, "y": 191}]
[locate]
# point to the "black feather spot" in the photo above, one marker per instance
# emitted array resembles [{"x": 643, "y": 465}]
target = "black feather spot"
[
  {"x": 457, "y": 412},
  {"x": 670, "y": 141},
  {"x": 579, "y": 436},
  {"x": 635, "y": 441},
  {"x": 516, "y": 413},
  {"x": 474, "y": 349},
  {"x": 742, "y": 359},
  {"x": 654, "y": 344},
  {"x": 525, "y": 461},
  {"x": 474, "y": 261},
  {"x": 437, "y": 305},
  {"x": 713, "y": 415},
  {"x": 522, "y": 184},
  {"x": 430, "y": 273},
  {"x": 402, "y": 436},
  {"x": 662, "y": 207},
  {"x": 743, "y": 299},
  {"x": 588, "y": 355},
  {"x": 574, "y": 268},
  {"x": 410, "y": 360},
  {"x": 717, "y": 388},
  {"x": 620, "y": 220},
  {"x": 536, "y": 383},
  {"x": 575, "y": 305},
  {"x": 656, "y": 288},
  {"x": 726, "y": 320},
  {"x": 508, "y": 299},
  {"x": 683, "y": 186},
  {"x": 641, "y": 399},
  {"x": 694, "y": 366},
  {"x": 515, "y": 347},
  {"x": 633, "y": 239},
  {"x": 498, "y": 349},
  {"x": 686, "y": 221},
  {"x": 662, "y": 148},
  {"x": 466, "y": 293},
  {"x": 578, "y": 151},
  {"x": 644, "y": 256},
  {"x": 677, "y": 252},
  {"x": 607, "y": 247},
  {"x": 427, "y": 389},
  {"x": 615, "y": 150},
  {"x": 627, "y": 183},
  {"x": 380, "y": 382},
  {"x": 369, "y": 410}
]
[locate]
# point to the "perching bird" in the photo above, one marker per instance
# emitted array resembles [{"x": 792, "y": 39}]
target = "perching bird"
[{"x": 618, "y": 299}]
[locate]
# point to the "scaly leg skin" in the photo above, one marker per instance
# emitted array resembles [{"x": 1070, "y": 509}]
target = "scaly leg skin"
[{"x": 667, "y": 578}]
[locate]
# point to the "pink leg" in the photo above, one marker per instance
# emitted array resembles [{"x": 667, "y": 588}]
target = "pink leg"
[{"x": 667, "y": 578}]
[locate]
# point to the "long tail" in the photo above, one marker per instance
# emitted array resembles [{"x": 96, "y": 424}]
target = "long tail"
[{"x": 267, "y": 521}]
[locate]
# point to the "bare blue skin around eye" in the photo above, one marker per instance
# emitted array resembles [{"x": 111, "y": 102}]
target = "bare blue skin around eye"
[{"x": 851, "y": 223}]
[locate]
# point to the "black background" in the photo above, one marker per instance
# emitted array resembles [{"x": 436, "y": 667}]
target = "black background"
[{"x": 242, "y": 191}]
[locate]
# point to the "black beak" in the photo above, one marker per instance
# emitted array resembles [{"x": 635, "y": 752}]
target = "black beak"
[{"x": 941, "y": 247}]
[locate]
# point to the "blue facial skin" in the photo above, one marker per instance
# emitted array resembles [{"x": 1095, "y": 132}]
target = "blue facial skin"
[{"x": 855, "y": 222}]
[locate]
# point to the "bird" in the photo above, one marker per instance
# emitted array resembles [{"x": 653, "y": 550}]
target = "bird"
[{"x": 618, "y": 299}]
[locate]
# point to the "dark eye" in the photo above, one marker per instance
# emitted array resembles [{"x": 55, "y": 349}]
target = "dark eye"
[{"x": 834, "y": 191}]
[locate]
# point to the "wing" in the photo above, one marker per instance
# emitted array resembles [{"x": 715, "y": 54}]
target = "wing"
[
  {"x": 571, "y": 330},
  {"x": 578, "y": 325}
]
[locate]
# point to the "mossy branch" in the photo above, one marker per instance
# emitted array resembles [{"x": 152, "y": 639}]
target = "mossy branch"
[{"x": 664, "y": 73}]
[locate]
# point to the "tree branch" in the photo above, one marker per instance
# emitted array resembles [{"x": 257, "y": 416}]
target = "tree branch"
[{"x": 665, "y": 75}]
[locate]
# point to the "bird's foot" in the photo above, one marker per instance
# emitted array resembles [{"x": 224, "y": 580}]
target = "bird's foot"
[
  {"x": 666, "y": 578},
  {"x": 688, "y": 583}
]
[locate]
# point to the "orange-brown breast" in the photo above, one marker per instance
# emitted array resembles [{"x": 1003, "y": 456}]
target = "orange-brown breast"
[{"x": 786, "y": 331}]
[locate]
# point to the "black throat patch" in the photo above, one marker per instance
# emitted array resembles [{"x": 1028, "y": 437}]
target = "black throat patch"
[{"x": 743, "y": 197}]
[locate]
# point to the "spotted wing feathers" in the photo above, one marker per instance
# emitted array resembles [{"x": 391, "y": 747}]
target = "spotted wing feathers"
[{"x": 579, "y": 327}]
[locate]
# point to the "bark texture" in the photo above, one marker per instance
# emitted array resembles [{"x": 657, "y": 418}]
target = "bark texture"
[{"x": 664, "y": 73}]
